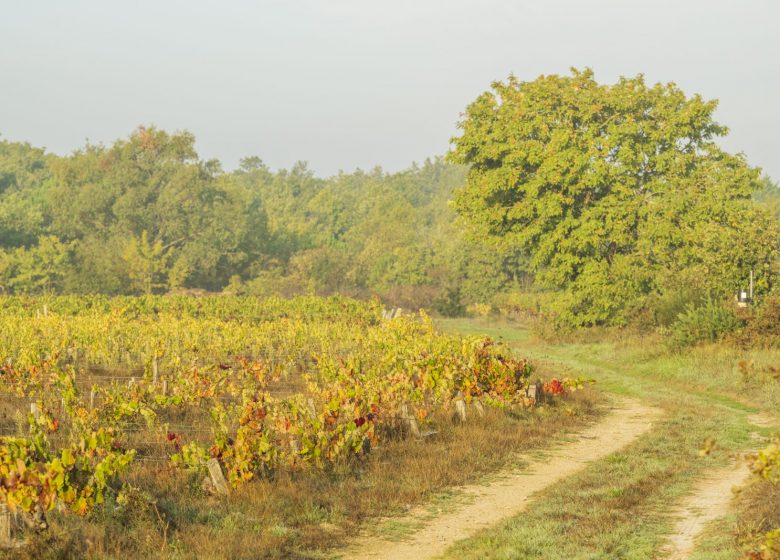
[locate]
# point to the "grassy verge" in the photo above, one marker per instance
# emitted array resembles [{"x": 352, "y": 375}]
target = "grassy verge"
[
  {"x": 759, "y": 513},
  {"x": 306, "y": 514},
  {"x": 620, "y": 506},
  {"x": 643, "y": 365}
]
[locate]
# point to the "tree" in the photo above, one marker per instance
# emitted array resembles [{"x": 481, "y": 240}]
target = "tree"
[
  {"x": 212, "y": 225},
  {"x": 147, "y": 263},
  {"x": 24, "y": 174},
  {"x": 37, "y": 269},
  {"x": 615, "y": 192}
]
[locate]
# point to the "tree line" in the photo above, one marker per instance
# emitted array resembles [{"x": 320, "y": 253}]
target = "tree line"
[
  {"x": 146, "y": 214},
  {"x": 611, "y": 202}
]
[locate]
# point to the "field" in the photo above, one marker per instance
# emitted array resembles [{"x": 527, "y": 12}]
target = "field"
[
  {"x": 230, "y": 427},
  {"x": 381, "y": 307},
  {"x": 719, "y": 404},
  {"x": 239, "y": 427}
]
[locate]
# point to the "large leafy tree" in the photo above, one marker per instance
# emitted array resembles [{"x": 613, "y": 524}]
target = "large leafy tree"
[
  {"x": 615, "y": 192},
  {"x": 153, "y": 187},
  {"x": 38, "y": 269},
  {"x": 24, "y": 177}
]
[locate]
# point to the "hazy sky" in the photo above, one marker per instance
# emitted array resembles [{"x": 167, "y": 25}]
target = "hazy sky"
[{"x": 358, "y": 83}]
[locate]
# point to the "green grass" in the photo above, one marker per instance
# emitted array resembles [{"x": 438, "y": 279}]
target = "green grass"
[
  {"x": 500, "y": 330},
  {"x": 619, "y": 507},
  {"x": 717, "y": 541}
]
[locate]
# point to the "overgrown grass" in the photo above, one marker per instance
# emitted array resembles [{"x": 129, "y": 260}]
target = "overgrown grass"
[
  {"x": 306, "y": 514},
  {"x": 642, "y": 364},
  {"x": 759, "y": 513},
  {"x": 618, "y": 508}
]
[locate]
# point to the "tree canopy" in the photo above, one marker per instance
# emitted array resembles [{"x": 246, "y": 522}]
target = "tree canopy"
[
  {"x": 597, "y": 204},
  {"x": 616, "y": 193},
  {"x": 147, "y": 215}
]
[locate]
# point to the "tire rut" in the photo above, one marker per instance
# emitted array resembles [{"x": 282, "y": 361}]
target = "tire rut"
[
  {"x": 512, "y": 492},
  {"x": 710, "y": 499}
]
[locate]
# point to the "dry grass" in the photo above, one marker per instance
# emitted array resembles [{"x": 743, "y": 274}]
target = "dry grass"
[
  {"x": 304, "y": 514},
  {"x": 619, "y": 507},
  {"x": 759, "y": 507}
]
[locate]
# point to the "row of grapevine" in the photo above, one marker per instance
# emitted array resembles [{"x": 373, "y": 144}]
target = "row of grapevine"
[{"x": 110, "y": 389}]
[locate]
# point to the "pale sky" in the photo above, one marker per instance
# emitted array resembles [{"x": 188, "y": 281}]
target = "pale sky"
[{"x": 358, "y": 83}]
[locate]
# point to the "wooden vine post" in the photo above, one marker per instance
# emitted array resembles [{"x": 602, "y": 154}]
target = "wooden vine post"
[
  {"x": 411, "y": 421},
  {"x": 155, "y": 370},
  {"x": 536, "y": 392},
  {"x": 5, "y": 526},
  {"x": 460, "y": 409},
  {"x": 312, "y": 408},
  {"x": 217, "y": 477}
]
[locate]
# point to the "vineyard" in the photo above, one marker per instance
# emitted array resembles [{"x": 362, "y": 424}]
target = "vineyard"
[{"x": 223, "y": 390}]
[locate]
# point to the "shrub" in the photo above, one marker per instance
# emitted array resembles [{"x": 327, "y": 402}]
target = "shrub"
[
  {"x": 663, "y": 310},
  {"x": 708, "y": 321},
  {"x": 450, "y": 304},
  {"x": 479, "y": 309},
  {"x": 762, "y": 325}
]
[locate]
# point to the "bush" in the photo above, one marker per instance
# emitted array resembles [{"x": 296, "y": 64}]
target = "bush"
[
  {"x": 450, "y": 304},
  {"x": 762, "y": 325},
  {"x": 479, "y": 309},
  {"x": 708, "y": 321},
  {"x": 663, "y": 310},
  {"x": 522, "y": 304}
]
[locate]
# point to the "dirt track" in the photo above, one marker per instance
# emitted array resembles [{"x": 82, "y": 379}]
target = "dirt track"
[
  {"x": 709, "y": 500},
  {"x": 512, "y": 491}
]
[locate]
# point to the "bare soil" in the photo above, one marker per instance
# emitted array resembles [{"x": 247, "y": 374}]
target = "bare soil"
[
  {"x": 709, "y": 500},
  {"x": 510, "y": 493}
]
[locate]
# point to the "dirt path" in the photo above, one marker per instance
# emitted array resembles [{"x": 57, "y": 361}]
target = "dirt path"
[
  {"x": 511, "y": 493},
  {"x": 710, "y": 499},
  {"x": 764, "y": 420}
]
